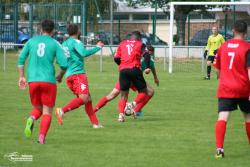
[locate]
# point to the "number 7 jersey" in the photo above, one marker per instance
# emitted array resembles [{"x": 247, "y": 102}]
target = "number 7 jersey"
[{"x": 233, "y": 62}]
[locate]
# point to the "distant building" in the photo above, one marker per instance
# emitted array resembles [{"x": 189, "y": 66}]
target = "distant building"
[{"x": 141, "y": 18}]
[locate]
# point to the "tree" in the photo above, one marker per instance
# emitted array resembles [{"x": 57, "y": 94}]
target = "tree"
[
  {"x": 65, "y": 12},
  {"x": 181, "y": 13}
]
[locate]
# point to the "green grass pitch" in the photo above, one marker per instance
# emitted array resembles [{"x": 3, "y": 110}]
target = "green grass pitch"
[{"x": 177, "y": 129}]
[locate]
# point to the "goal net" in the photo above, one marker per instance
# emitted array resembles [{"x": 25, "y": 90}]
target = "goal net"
[{"x": 191, "y": 24}]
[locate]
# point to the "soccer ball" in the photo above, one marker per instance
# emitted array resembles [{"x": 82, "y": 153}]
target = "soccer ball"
[{"x": 127, "y": 109}]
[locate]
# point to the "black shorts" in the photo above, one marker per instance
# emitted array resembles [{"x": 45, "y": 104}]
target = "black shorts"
[
  {"x": 227, "y": 104},
  {"x": 211, "y": 58},
  {"x": 132, "y": 76}
]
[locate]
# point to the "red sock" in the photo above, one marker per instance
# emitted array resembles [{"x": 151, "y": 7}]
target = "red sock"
[
  {"x": 220, "y": 131},
  {"x": 140, "y": 97},
  {"x": 101, "y": 103},
  {"x": 45, "y": 124},
  {"x": 140, "y": 105},
  {"x": 248, "y": 130},
  {"x": 91, "y": 113},
  {"x": 73, "y": 104},
  {"x": 122, "y": 105},
  {"x": 35, "y": 114}
]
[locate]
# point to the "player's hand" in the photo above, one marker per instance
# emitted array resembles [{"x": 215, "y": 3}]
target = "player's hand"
[
  {"x": 100, "y": 44},
  {"x": 157, "y": 82},
  {"x": 215, "y": 51},
  {"x": 22, "y": 83},
  {"x": 59, "y": 78},
  {"x": 205, "y": 54},
  {"x": 147, "y": 71}
]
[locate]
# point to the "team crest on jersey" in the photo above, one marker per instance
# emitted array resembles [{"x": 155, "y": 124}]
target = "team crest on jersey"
[{"x": 83, "y": 86}]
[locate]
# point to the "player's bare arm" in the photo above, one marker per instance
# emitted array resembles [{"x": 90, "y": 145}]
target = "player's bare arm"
[
  {"x": 147, "y": 58},
  {"x": 156, "y": 80},
  {"x": 60, "y": 76},
  {"x": 100, "y": 44},
  {"x": 22, "y": 81}
]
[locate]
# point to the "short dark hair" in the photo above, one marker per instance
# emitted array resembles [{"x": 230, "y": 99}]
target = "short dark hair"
[
  {"x": 150, "y": 48},
  {"x": 47, "y": 26},
  {"x": 72, "y": 29},
  {"x": 136, "y": 35},
  {"x": 240, "y": 26}
]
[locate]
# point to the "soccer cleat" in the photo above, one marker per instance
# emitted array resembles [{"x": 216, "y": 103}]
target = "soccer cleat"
[
  {"x": 139, "y": 114},
  {"x": 59, "y": 115},
  {"x": 219, "y": 154},
  {"x": 29, "y": 127},
  {"x": 121, "y": 117},
  {"x": 133, "y": 113},
  {"x": 97, "y": 126},
  {"x": 206, "y": 78},
  {"x": 41, "y": 139}
]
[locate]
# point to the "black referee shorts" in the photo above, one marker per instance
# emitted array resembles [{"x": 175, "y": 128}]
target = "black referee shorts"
[
  {"x": 231, "y": 104},
  {"x": 211, "y": 58},
  {"x": 132, "y": 76}
]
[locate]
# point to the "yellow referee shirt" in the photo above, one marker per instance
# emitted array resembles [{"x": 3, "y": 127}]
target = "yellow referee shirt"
[{"x": 213, "y": 43}]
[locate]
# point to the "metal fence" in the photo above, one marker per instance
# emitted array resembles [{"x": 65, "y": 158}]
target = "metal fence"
[
  {"x": 17, "y": 20},
  {"x": 20, "y": 21},
  {"x": 185, "y": 59}
]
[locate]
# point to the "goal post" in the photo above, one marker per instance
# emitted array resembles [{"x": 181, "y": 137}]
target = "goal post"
[{"x": 172, "y": 6}]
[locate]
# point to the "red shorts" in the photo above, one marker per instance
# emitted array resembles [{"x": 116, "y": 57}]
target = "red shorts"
[
  {"x": 78, "y": 84},
  {"x": 117, "y": 86},
  {"x": 42, "y": 93}
]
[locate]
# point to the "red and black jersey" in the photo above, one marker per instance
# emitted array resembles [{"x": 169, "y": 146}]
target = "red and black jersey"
[
  {"x": 129, "y": 53},
  {"x": 233, "y": 61}
]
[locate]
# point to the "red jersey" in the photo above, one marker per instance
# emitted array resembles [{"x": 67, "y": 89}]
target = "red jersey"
[
  {"x": 129, "y": 51},
  {"x": 233, "y": 62}
]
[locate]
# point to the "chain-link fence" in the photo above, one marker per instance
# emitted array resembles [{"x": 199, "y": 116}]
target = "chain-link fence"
[
  {"x": 192, "y": 29},
  {"x": 20, "y": 21}
]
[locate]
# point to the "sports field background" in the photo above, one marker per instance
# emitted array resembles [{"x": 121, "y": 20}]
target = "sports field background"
[{"x": 177, "y": 128}]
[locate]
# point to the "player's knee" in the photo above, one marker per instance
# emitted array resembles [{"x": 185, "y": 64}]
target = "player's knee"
[
  {"x": 89, "y": 98},
  {"x": 85, "y": 98},
  {"x": 47, "y": 111},
  {"x": 247, "y": 117},
  {"x": 124, "y": 96},
  {"x": 150, "y": 92},
  {"x": 223, "y": 116},
  {"x": 40, "y": 108},
  {"x": 113, "y": 95}
]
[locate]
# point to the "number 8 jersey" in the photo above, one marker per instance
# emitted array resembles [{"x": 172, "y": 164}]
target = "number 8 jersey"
[
  {"x": 41, "y": 52},
  {"x": 233, "y": 62}
]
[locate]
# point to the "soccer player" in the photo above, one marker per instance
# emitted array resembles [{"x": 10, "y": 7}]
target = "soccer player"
[
  {"x": 128, "y": 56},
  {"x": 213, "y": 43},
  {"x": 76, "y": 76},
  {"x": 41, "y": 52},
  {"x": 116, "y": 90},
  {"x": 233, "y": 65}
]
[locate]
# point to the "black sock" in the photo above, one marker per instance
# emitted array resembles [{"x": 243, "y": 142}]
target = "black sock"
[{"x": 208, "y": 71}]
